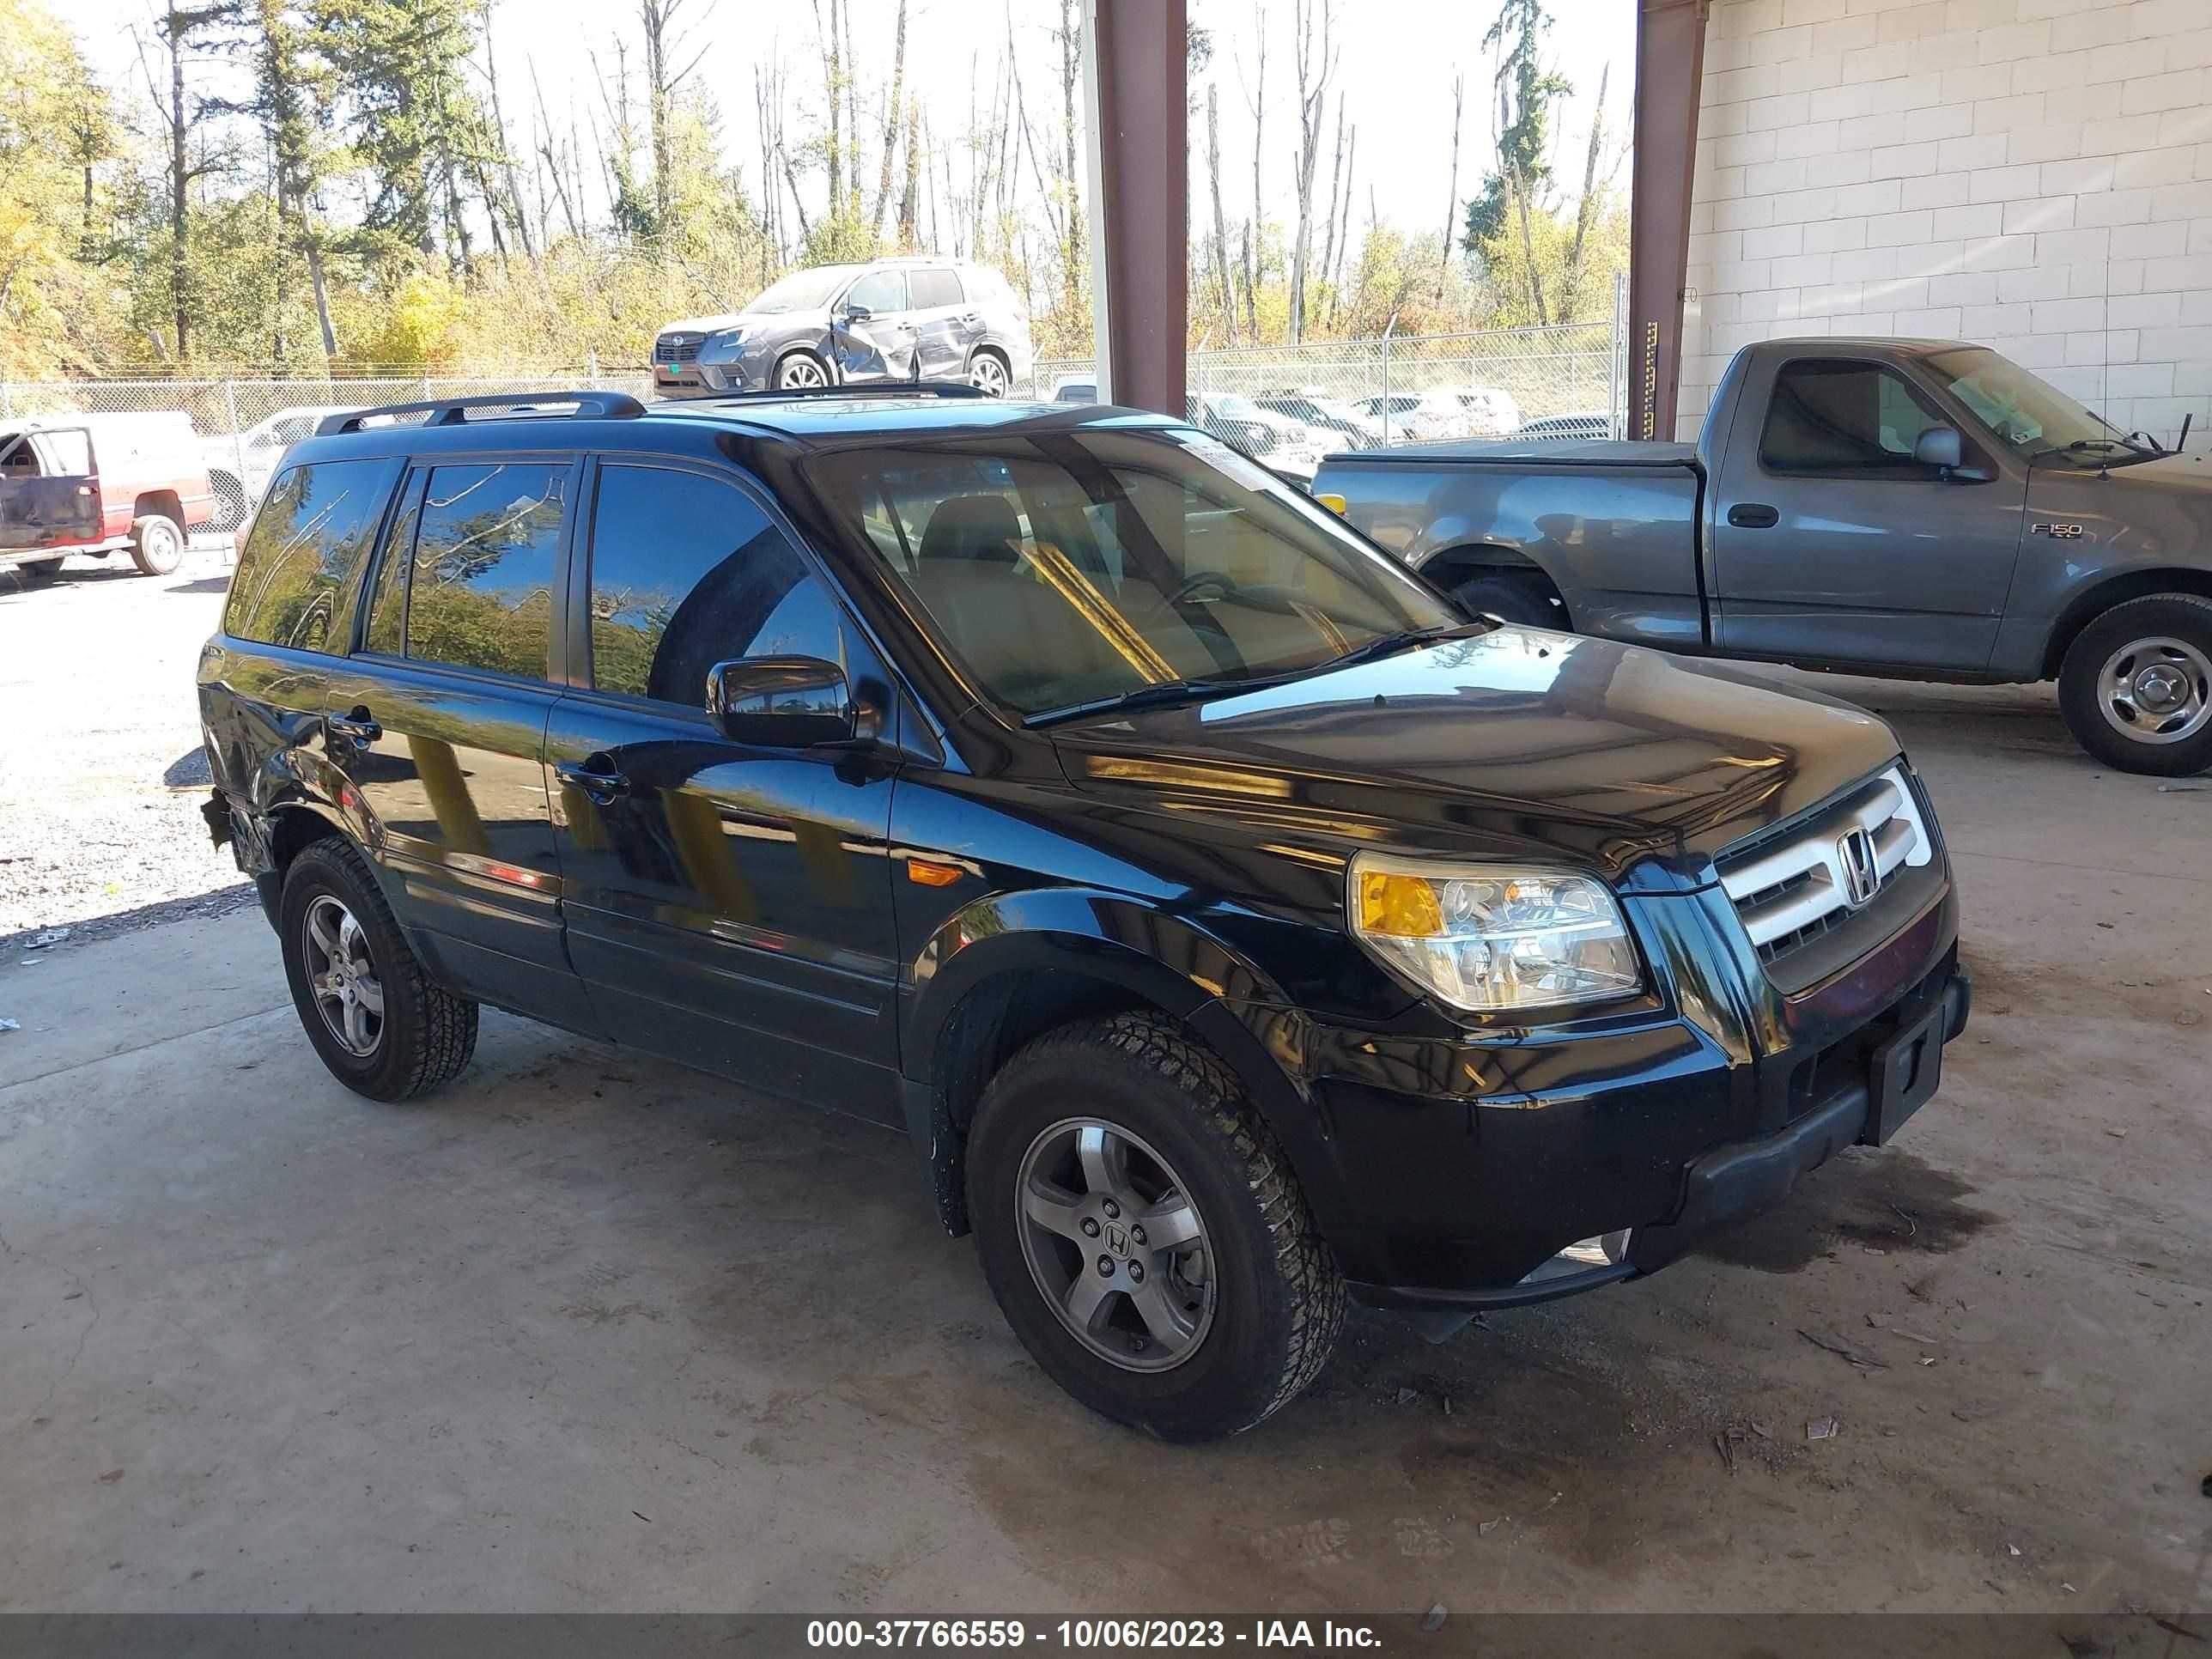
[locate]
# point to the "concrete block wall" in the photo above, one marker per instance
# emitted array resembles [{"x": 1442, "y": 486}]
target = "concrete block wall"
[{"x": 2033, "y": 175}]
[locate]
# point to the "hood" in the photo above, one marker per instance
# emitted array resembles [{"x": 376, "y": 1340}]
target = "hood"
[
  {"x": 708, "y": 324},
  {"x": 1517, "y": 743},
  {"x": 2189, "y": 476}
]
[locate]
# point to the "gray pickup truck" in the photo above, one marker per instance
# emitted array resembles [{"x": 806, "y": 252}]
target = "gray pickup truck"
[{"x": 1922, "y": 509}]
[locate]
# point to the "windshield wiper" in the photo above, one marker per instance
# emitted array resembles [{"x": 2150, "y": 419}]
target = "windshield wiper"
[
  {"x": 1389, "y": 644},
  {"x": 1158, "y": 694},
  {"x": 2101, "y": 449}
]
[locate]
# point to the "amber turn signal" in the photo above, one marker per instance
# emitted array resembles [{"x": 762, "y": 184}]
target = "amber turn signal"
[{"x": 925, "y": 873}]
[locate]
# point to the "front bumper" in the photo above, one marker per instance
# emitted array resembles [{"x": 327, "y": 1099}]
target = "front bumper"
[{"x": 1450, "y": 1172}]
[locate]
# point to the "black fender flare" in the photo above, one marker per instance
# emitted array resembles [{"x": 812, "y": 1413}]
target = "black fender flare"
[{"x": 1170, "y": 960}]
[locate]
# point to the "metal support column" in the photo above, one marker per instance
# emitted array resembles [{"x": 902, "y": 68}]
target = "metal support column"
[
  {"x": 1134, "y": 80},
  {"x": 1670, "y": 57}
]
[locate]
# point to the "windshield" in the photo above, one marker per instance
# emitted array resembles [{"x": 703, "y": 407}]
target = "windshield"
[
  {"x": 2034, "y": 417},
  {"x": 803, "y": 290},
  {"x": 1068, "y": 566}
]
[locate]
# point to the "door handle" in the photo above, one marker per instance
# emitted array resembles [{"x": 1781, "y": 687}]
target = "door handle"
[
  {"x": 1753, "y": 515},
  {"x": 603, "y": 787},
  {"x": 356, "y": 728}
]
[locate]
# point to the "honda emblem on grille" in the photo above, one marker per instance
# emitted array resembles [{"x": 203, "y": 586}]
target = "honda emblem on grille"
[{"x": 1862, "y": 875}]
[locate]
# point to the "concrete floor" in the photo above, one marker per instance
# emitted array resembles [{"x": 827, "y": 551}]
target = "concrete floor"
[{"x": 588, "y": 1332}]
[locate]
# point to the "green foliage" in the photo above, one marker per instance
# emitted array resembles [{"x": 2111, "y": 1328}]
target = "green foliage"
[{"x": 54, "y": 125}]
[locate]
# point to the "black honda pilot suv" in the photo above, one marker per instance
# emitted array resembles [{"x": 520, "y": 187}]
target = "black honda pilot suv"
[{"x": 1230, "y": 925}]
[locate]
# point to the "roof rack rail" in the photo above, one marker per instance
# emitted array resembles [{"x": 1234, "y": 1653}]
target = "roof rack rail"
[
  {"x": 452, "y": 411},
  {"x": 866, "y": 389}
]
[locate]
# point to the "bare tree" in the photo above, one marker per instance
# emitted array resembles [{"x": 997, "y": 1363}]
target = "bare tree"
[
  {"x": 1255, "y": 99},
  {"x": 1344, "y": 229},
  {"x": 1220, "y": 225},
  {"x": 1586, "y": 209},
  {"x": 1316, "y": 64},
  {"x": 1335, "y": 192},
  {"x": 1070, "y": 66},
  {"x": 1451, "y": 196},
  {"x": 665, "y": 43},
  {"x": 552, "y": 153},
  {"x": 178, "y": 24},
  {"x": 910, "y": 200},
  {"x": 833, "y": 73},
  {"x": 891, "y": 123}
]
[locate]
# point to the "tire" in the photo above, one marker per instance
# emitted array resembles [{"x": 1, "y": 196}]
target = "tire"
[
  {"x": 37, "y": 573},
  {"x": 232, "y": 508},
  {"x": 1521, "y": 597},
  {"x": 2137, "y": 686},
  {"x": 1259, "y": 1296},
  {"x": 423, "y": 1036},
  {"x": 989, "y": 373},
  {"x": 157, "y": 544},
  {"x": 800, "y": 371}
]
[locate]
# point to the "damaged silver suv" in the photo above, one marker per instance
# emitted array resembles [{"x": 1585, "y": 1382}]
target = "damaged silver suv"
[{"x": 896, "y": 319}]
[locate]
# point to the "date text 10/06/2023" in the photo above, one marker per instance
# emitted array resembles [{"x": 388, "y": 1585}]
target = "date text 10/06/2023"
[{"x": 1085, "y": 1634}]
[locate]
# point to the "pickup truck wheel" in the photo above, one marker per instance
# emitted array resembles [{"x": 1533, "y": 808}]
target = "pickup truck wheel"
[
  {"x": 380, "y": 1025},
  {"x": 2137, "y": 686},
  {"x": 1515, "y": 597},
  {"x": 1143, "y": 1233},
  {"x": 157, "y": 544}
]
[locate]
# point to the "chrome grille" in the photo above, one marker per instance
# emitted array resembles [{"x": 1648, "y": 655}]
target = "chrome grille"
[
  {"x": 671, "y": 349},
  {"x": 1813, "y": 876}
]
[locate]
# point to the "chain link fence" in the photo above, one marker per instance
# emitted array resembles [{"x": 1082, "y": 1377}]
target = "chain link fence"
[{"x": 1287, "y": 404}]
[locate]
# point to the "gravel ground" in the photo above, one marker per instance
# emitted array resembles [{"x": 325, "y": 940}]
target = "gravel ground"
[{"x": 96, "y": 710}]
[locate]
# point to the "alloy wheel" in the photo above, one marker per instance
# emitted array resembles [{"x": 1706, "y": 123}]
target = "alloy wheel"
[
  {"x": 1116, "y": 1244},
  {"x": 2157, "y": 690},
  {"x": 347, "y": 993},
  {"x": 800, "y": 372},
  {"x": 988, "y": 375}
]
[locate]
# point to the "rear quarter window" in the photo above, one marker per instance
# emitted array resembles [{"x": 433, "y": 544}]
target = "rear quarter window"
[{"x": 298, "y": 579}]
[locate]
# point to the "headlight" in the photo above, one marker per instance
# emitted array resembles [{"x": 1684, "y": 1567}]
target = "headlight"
[
  {"x": 731, "y": 337},
  {"x": 1491, "y": 939}
]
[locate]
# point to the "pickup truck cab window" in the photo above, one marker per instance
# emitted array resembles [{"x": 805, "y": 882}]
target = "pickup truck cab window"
[
  {"x": 299, "y": 571},
  {"x": 1838, "y": 417},
  {"x": 687, "y": 572}
]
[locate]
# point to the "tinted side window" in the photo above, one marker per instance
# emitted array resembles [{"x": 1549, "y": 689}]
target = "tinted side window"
[
  {"x": 486, "y": 549},
  {"x": 1843, "y": 417},
  {"x": 299, "y": 574},
  {"x": 687, "y": 572},
  {"x": 936, "y": 287},
  {"x": 879, "y": 291}
]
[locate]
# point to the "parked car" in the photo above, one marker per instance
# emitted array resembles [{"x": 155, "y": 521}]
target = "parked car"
[
  {"x": 1416, "y": 416},
  {"x": 1337, "y": 425},
  {"x": 97, "y": 484},
  {"x": 1491, "y": 413},
  {"x": 1287, "y": 445},
  {"x": 895, "y": 319},
  {"x": 1229, "y": 923},
  {"x": 1593, "y": 423},
  {"x": 1924, "y": 508},
  {"x": 1076, "y": 391},
  {"x": 239, "y": 468}
]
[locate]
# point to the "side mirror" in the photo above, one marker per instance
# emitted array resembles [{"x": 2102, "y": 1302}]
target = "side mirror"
[
  {"x": 857, "y": 314},
  {"x": 781, "y": 703},
  {"x": 1939, "y": 446}
]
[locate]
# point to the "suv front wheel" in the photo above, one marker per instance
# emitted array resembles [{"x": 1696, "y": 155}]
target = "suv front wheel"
[
  {"x": 1143, "y": 1233},
  {"x": 383, "y": 1029}
]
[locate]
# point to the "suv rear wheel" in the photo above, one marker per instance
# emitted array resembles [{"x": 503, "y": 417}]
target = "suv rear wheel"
[
  {"x": 383, "y": 1029},
  {"x": 1143, "y": 1233},
  {"x": 988, "y": 374},
  {"x": 157, "y": 544},
  {"x": 2137, "y": 686}
]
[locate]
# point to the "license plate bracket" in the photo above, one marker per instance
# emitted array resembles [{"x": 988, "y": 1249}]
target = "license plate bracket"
[{"x": 1905, "y": 1071}]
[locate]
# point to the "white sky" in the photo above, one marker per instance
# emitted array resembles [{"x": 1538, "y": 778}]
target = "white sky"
[{"x": 1399, "y": 57}]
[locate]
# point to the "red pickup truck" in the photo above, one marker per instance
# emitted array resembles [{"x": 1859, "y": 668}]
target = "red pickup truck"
[{"x": 99, "y": 484}]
